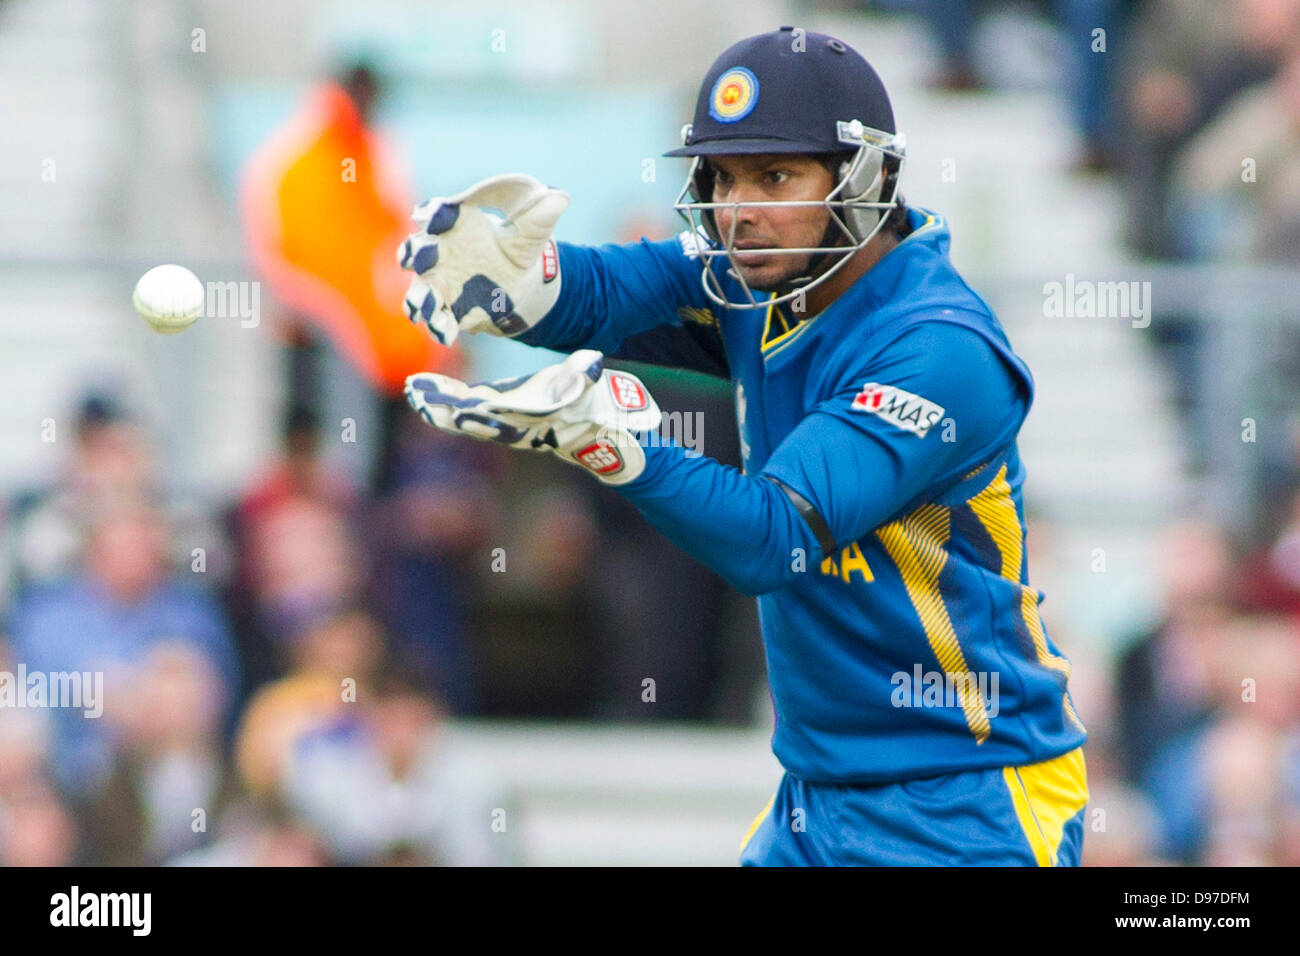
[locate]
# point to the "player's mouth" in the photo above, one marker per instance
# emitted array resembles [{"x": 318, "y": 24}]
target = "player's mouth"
[{"x": 753, "y": 259}]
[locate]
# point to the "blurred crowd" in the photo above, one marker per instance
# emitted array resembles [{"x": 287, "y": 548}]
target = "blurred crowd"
[
  {"x": 1193, "y": 108},
  {"x": 1194, "y": 728},
  {"x": 1210, "y": 150},
  {"x": 277, "y": 675}
]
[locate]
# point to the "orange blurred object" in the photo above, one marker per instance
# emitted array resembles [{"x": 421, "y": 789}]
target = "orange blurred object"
[
  {"x": 324, "y": 214},
  {"x": 279, "y": 715}
]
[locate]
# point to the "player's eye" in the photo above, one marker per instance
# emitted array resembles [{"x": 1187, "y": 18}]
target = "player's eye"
[{"x": 777, "y": 177}]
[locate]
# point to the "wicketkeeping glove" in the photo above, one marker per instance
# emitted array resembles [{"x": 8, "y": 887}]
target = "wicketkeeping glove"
[
  {"x": 587, "y": 414},
  {"x": 480, "y": 272}
]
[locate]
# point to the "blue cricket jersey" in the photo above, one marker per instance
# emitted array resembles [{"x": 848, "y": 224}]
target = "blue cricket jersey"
[{"x": 878, "y": 518}]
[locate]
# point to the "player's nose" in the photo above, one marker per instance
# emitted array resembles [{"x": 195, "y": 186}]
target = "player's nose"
[
  {"x": 741, "y": 215},
  {"x": 744, "y": 192}
]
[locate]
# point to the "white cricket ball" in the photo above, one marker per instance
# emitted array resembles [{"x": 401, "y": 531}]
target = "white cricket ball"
[{"x": 169, "y": 298}]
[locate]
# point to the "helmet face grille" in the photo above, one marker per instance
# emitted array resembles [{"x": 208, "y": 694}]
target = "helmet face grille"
[{"x": 858, "y": 206}]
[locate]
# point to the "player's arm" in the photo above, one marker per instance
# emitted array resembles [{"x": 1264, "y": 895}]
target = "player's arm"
[
  {"x": 843, "y": 471},
  {"x": 627, "y": 300},
  {"x": 480, "y": 271}
]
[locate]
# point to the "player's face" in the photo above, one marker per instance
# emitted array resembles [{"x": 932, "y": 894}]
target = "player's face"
[{"x": 770, "y": 178}]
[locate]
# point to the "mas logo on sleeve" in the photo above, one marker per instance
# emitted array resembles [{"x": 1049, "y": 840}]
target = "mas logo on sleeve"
[{"x": 908, "y": 411}]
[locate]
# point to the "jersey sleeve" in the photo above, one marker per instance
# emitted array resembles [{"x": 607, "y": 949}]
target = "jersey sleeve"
[
  {"x": 642, "y": 301},
  {"x": 935, "y": 404}
]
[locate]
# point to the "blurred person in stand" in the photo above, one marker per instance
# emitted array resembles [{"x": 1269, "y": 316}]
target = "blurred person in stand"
[
  {"x": 171, "y": 776},
  {"x": 1237, "y": 194},
  {"x": 123, "y": 601},
  {"x": 300, "y": 559},
  {"x": 428, "y": 535},
  {"x": 1191, "y": 62},
  {"x": 324, "y": 203},
  {"x": 1163, "y": 685},
  {"x": 36, "y": 826},
  {"x": 298, "y": 477},
  {"x": 110, "y": 461},
  {"x": 1262, "y": 123},
  {"x": 540, "y": 647},
  {"x": 1188, "y": 59},
  {"x": 46, "y": 528},
  {"x": 382, "y": 785},
  {"x": 1271, "y": 574},
  {"x": 1225, "y": 788},
  {"x": 1088, "y": 73},
  {"x": 260, "y": 836},
  {"x": 333, "y": 660},
  {"x": 25, "y": 736},
  {"x": 1250, "y": 756}
]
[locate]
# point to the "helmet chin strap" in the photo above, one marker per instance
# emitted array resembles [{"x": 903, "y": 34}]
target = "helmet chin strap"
[{"x": 831, "y": 237}]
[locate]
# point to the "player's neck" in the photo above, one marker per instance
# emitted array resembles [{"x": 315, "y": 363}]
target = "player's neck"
[{"x": 859, "y": 264}]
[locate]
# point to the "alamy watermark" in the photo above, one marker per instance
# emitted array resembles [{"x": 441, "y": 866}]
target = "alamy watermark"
[
  {"x": 681, "y": 428},
  {"x": 234, "y": 300},
  {"x": 131, "y": 911},
  {"x": 922, "y": 688},
  {"x": 1087, "y": 299},
  {"x": 221, "y": 300},
  {"x": 72, "y": 690}
]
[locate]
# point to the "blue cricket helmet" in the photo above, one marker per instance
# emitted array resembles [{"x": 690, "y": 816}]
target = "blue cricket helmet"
[
  {"x": 792, "y": 91},
  {"x": 785, "y": 92}
]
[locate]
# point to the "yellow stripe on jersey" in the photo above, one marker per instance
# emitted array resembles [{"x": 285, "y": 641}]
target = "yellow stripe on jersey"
[
  {"x": 767, "y": 326},
  {"x": 770, "y": 347},
  {"x": 996, "y": 510},
  {"x": 1046, "y": 795},
  {"x": 932, "y": 222},
  {"x": 917, "y": 543},
  {"x": 758, "y": 822},
  {"x": 1069, "y": 712}
]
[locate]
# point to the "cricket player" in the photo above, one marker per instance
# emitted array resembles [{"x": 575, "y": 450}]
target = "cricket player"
[{"x": 922, "y": 712}]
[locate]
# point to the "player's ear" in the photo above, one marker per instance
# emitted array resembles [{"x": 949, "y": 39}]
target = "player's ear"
[
  {"x": 702, "y": 191},
  {"x": 836, "y": 165},
  {"x": 702, "y": 181}
]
